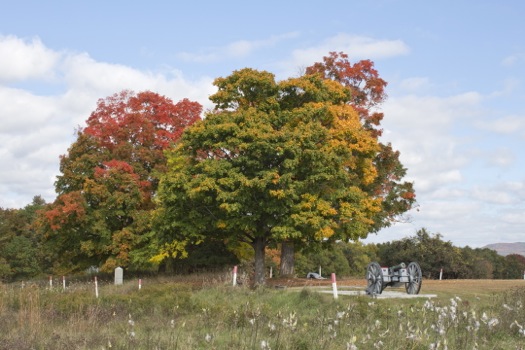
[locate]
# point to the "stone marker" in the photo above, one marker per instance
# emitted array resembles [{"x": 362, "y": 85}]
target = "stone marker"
[{"x": 119, "y": 276}]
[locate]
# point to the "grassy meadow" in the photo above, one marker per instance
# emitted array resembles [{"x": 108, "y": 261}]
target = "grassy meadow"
[{"x": 207, "y": 312}]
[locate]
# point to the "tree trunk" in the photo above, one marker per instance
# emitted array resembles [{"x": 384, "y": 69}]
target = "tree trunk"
[
  {"x": 287, "y": 267},
  {"x": 259, "y": 246}
]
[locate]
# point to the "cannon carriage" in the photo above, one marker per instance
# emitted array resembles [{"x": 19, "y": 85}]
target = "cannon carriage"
[{"x": 378, "y": 278}]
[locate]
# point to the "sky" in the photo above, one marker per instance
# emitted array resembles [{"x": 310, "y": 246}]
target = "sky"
[{"x": 455, "y": 73}]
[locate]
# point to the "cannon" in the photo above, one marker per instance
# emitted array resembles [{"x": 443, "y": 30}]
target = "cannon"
[{"x": 378, "y": 278}]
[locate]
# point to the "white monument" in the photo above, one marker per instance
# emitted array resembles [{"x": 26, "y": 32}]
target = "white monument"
[{"x": 119, "y": 276}]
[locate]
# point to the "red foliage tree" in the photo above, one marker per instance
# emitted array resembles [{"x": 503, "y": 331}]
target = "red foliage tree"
[
  {"x": 109, "y": 177},
  {"x": 367, "y": 89}
]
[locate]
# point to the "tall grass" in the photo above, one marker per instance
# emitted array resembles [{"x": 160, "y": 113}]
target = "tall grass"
[{"x": 184, "y": 315}]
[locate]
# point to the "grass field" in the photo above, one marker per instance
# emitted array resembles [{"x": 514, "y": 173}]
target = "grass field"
[{"x": 206, "y": 312}]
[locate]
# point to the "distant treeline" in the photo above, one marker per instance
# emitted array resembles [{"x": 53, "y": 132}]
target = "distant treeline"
[{"x": 23, "y": 255}]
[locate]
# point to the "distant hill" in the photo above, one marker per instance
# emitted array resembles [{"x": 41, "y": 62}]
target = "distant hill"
[{"x": 508, "y": 248}]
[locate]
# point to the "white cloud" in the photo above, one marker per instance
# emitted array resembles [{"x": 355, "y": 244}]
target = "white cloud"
[
  {"x": 237, "y": 49},
  {"x": 357, "y": 47},
  {"x": 515, "y": 219},
  {"x": 414, "y": 84},
  {"x": 513, "y": 59},
  {"x": 511, "y": 124},
  {"x": 420, "y": 128},
  {"x": 21, "y": 110},
  {"x": 36, "y": 130},
  {"x": 493, "y": 196},
  {"x": 430, "y": 113},
  {"x": 500, "y": 157},
  {"x": 25, "y": 59}
]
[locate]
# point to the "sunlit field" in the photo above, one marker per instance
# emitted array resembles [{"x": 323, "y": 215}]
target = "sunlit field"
[{"x": 207, "y": 312}]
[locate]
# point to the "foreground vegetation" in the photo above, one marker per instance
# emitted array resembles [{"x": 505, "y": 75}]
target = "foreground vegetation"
[{"x": 206, "y": 313}]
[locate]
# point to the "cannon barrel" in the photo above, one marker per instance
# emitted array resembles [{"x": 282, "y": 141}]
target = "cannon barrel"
[{"x": 398, "y": 267}]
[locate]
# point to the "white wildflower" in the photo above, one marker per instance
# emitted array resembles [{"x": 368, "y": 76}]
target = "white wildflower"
[
  {"x": 207, "y": 337},
  {"x": 428, "y": 305},
  {"x": 265, "y": 345},
  {"x": 378, "y": 345},
  {"x": 493, "y": 322},
  {"x": 412, "y": 336},
  {"x": 351, "y": 346}
]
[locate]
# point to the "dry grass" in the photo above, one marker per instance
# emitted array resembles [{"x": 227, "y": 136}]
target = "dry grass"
[{"x": 206, "y": 312}]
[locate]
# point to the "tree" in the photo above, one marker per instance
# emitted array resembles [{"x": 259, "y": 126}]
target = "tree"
[
  {"x": 273, "y": 162},
  {"x": 20, "y": 252},
  {"x": 425, "y": 248},
  {"x": 515, "y": 266},
  {"x": 109, "y": 177},
  {"x": 367, "y": 91},
  {"x": 328, "y": 255}
]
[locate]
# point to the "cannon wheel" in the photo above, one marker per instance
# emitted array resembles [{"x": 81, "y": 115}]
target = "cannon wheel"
[
  {"x": 374, "y": 279},
  {"x": 415, "y": 278}
]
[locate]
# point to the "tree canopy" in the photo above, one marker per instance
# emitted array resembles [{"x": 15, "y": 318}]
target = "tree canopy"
[
  {"x": 102, "y": 212},
  {"x": 20, "y": 247},
  {"x": 367, "y": 91},
  {"x": 274, "y": 161}
]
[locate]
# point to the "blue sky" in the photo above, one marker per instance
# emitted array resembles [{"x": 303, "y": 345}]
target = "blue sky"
[{"x": 456, "y": 74}]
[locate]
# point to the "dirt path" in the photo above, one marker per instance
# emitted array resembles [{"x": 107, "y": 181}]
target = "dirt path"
[{"x": 473, "y": 287}]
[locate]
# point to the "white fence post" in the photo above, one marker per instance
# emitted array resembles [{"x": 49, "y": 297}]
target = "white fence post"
[
  {"x": 334, "y": 285},
  {"x": 235, "y": 275},
  {"x": 96, "y": 287}
]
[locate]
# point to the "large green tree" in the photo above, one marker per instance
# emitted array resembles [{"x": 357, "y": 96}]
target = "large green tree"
[
  {"x": 274, "y": 162},
  {"x": 109, "y": 177},
  {"x": 366, "y": 93}
]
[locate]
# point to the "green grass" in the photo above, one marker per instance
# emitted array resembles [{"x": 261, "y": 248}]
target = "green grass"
[{"x": 179, "y": 314}]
